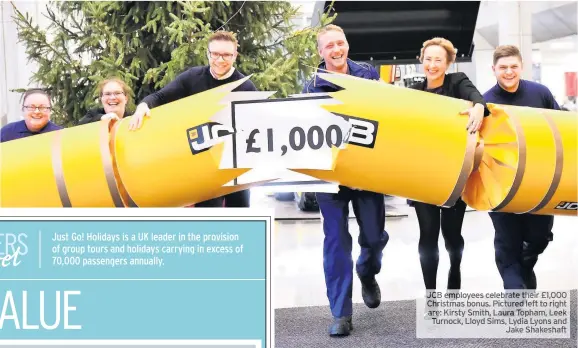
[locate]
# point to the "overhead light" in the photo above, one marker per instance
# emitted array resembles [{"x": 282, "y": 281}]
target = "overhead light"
[{"x": 568, "y": 45}]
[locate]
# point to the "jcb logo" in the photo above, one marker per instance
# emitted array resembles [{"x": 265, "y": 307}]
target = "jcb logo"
[
  {"x": 202, "y": 137},
  {"x": 567, "y": 206},
  {"x": 363, "y": 131}
]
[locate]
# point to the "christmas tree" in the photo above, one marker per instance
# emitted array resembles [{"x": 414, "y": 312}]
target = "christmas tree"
[{"x": 148, "y": 44}]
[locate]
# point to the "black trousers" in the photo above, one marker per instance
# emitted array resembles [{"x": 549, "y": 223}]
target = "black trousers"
[
  {"x": 211, "y": 203},
  {"x": 239, "y": 199},
  {"x": 519, "y": 240},
  {"x": 431, "y": 218}
]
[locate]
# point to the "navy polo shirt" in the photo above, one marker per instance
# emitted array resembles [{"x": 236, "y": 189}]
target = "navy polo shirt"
[
  {"x": 529, "y": 93},
  {"x": 17, "y": 130}
]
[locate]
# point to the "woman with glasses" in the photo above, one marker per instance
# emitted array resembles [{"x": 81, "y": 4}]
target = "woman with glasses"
[
  {"x": 36, "y": 108},
  {"x": 114, "y": 95}
]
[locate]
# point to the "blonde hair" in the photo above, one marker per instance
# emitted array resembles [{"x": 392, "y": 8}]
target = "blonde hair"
[
  {"x": 447, "y": 45},
  {"x": 125, "y": 88},
  {"x": 506, "y": 51},
  {"x": 328, "y": 28},
  {"x": 222, "y": 35}
]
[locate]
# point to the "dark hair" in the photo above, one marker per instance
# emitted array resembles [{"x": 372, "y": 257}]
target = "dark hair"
[
  {"x": 36, "y": 91},
  {"x": 506, "y": 51}
]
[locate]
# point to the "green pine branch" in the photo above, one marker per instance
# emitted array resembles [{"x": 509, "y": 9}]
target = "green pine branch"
[{"x": 147, "y": 44}]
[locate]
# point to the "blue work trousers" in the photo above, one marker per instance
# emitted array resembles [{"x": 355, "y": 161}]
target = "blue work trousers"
[{"x": 369, "y": 209}]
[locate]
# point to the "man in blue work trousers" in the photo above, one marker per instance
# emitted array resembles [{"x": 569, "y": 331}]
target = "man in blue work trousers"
[{"x": 369, "y": 207}]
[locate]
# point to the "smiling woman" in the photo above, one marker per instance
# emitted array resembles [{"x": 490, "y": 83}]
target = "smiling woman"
[
  {"x": 436, "y": 56},
  {"x": 114, "y": 95}
]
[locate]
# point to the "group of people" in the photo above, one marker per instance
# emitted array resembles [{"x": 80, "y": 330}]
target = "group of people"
[
  {"x": 519, "y": 238},
  {"x": 114, "y": 96}
]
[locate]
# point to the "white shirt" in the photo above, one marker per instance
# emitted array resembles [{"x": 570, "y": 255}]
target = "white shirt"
[{"x": 226, "y": 76}]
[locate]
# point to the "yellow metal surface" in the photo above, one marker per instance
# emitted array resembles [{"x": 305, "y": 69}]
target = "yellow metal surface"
[
  {"x": 523, "y": 159},
  {"x": 532, "y": 161},
  {"x": 421, "y": 147},
  {"x": 26, "y": 173},
  {"x": 82, "y": 164}
]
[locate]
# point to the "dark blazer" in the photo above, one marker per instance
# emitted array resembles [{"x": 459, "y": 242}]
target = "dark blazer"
[
  {"x": 94, "y": 115},
  {"x": 458, "y": 85}
]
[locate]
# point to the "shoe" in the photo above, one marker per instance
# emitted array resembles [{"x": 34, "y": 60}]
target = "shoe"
[
  {"x": 370, "y": 292},
  {"x": 340, "y": 327},
  {"x": 431, "y": 312}
]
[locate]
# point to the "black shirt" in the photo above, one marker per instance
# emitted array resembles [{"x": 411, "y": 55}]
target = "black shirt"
[
  {"x": 457, "y": 85},
  {"x": 195, "y": 80},
  {"x": 94, "y": 115},
  {"x": 437, "y": 90}
]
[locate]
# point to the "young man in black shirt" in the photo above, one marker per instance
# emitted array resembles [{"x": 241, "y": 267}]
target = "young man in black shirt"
[
  {"x": 222, "y": 53},
  {"x": 519, "y": 238}
]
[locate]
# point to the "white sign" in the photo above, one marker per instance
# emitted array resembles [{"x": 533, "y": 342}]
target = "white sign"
[
  {"x": 501, "y": 314},
  {"x": 290, "y": 133},
  {"x": 273, "y": 136}
]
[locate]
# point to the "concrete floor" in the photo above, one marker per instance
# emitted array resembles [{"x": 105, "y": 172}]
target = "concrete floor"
[{"x": 298, "y": 257}]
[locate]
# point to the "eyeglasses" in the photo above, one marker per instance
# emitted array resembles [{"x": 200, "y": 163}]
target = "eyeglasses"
[
  {"x": 110, "y": 94},
  {"x": 226, "y": 56},
  {"x": 39, "y": 108}
]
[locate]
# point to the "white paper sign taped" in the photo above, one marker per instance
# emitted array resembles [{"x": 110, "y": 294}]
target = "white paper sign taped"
[
  {"x": 285, "y": 134},
  {"x": 277, "y": 135},
  {"x": 272, "y": 136}
]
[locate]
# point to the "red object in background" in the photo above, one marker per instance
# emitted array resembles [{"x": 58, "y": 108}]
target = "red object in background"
[{"x": 571, "y": 84}]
